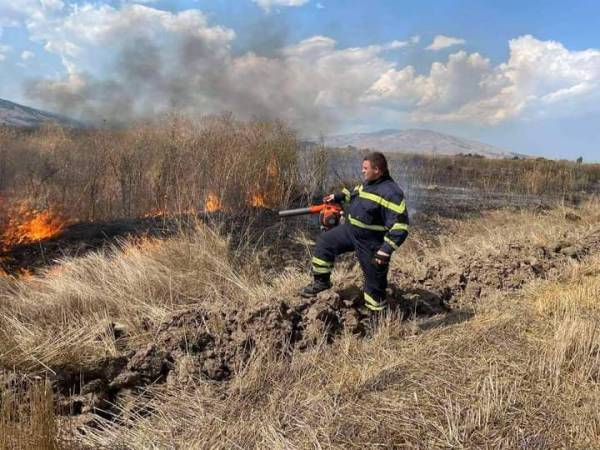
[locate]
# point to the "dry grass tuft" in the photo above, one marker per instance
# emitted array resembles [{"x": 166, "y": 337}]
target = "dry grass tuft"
[
  {"x": 27, "y": 419},
  {"x": 62, "y": 320}
]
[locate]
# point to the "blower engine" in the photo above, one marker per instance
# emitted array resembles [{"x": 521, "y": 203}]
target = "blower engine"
[{"x": 330, "y": 214}]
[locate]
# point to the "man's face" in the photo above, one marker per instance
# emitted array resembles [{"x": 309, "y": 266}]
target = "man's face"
[{"x": 370, "y": 172}]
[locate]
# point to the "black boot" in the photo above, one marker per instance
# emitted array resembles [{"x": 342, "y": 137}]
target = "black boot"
[{"x": 320, "y": 283}]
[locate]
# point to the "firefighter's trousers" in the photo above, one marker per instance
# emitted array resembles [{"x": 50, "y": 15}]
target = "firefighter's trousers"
[{"x": 346, "y": 238}]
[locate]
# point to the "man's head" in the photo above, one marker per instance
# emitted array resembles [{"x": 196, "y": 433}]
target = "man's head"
[{"x": 374, "y": 166}]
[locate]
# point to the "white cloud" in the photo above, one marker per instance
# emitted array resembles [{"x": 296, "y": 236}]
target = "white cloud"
[
  {"x": 52, "y": 4},
  {"x": 539, "y": 79},
  {"x": 4, "y": 49},
  {"x": 11, "y": 14},
  {"x": 26, "y": 55},
  {"x": 106, "y": 30},
  {"x": 266, "y": 5},
  {"x": 7, "y": 22},
  {"x": 396, "y": 45},
  {"x": 440, "y": 42},
  {"x": 320, "y": 6}
]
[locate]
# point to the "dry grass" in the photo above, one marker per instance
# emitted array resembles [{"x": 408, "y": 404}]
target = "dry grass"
[
  {"x": 174, "y": 165},
  {"x": 493, "y": 232},
  {"x": 522, "y": 372},
  {"x": 27, "y": 419},
  {"x": 551, "y": 178},
  {"x": 514, "y": 376},
  {"x": 479, "y": 384},
  {"x": 63, "y": 319},
  {"x": 179, "y": 165}
]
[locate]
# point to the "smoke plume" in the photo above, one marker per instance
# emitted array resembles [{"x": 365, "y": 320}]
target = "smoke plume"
[{"x": 153, "y": 63}]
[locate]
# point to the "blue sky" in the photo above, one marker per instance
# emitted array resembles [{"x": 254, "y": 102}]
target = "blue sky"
[{"x": 524, "y": 76}]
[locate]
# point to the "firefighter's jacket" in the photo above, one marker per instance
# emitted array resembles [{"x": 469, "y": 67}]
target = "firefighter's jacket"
[{"x": 378, "y": 206}]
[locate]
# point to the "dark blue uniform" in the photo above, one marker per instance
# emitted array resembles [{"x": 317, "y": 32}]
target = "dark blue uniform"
[{"x": 376, "y": 219}]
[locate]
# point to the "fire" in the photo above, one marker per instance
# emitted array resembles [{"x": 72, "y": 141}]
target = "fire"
[
  {"x": 212, "y": 203},
  {"x": 42, "y": 226},
  {"x": 28, "y": 225},
  {"x": 25, "y": 273},
  {"x": 258, "y": 200}
]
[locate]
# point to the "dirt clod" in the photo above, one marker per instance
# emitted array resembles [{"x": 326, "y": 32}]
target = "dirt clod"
[
  {"x": 151, "y": 363},
  {"x": 573, "y": 251}
]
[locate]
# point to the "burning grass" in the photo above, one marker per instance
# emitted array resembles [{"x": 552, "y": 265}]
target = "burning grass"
[
  {"x": 171, "y": 166},
  {"x": 504, "y": 370},
  {"x": 23, "y": 224},
  {"x": 220, "y": 163},
  {"x": 212, "y": 203}
]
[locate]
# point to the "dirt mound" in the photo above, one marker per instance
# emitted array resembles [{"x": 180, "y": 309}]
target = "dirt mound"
[
  {"x": 213, "y": 345},
  {"x": 472, "y": 277}
]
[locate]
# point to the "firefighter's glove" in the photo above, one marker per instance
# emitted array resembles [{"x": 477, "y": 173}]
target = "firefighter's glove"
[
  {"x": 330, "y": 198},
  {"x": 381, "y": 260}
]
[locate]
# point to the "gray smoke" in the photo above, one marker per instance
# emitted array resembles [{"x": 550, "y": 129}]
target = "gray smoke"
[
  {"x": 267, "y": 36},
  {"x": 190, "y": 75}
]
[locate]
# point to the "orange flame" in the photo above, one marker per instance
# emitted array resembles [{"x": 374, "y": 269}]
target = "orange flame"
[
  {"x": 212, "y": 203},
  {"x": 25, "y": 273},
  {"x": 257, "y": 200},
  {"x": 31, "y": 226}
]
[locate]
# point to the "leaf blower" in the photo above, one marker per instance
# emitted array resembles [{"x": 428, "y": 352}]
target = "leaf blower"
[{"x": 330, "y": 214}]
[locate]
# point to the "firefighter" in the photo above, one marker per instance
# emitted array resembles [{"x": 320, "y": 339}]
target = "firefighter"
[{"x": 376, "y": 225}]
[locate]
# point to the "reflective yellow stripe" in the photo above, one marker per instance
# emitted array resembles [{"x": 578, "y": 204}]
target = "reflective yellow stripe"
[
  {"x": 318, "y": 269},
  {"x": 358, "y": 187},
  {"x": 370, "y": 300},
  {"x": 375, "y": 308},
  {"x": 382, "y": 201},
  {"x": 400, "y": 226},
  {"x": 346, "y": 193},
  {"x": 392, "y": 243},
  {"x": 372, "y": 304},
  {"x": 359, "y": 224},
  {"x": 321, "y": 262}
]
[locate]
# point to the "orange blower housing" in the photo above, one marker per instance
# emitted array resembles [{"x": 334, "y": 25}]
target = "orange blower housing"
[{"x": 330, "y": 214}]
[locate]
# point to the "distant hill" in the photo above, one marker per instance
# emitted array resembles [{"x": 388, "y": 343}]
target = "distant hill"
[
  {"x": 13, "y": 114},
  {"x": 417, "y": 141}
]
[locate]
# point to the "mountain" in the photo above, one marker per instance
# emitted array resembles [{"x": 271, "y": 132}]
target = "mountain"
[
  {"x": 417, "y": 141},
  {"x": 13, "y": 114}
]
